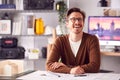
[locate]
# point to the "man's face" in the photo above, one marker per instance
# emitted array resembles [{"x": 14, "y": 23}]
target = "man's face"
[{"x": 75, "y": 22}]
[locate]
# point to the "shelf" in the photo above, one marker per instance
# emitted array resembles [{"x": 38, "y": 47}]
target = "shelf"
[
  {"x": 25, "y": 35},
  {"x": 26, "y": 11},
  {"x": 111, "y": 53}
]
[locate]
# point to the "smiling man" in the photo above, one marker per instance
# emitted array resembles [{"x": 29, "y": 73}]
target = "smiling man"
[{"x": 77, "y": 52}]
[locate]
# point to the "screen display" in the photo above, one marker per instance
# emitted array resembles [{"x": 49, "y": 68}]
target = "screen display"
[{"x": 105, "y": 28}]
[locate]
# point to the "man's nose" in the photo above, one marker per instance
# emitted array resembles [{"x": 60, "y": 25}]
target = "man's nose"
[{"x": 77, "y": 21}]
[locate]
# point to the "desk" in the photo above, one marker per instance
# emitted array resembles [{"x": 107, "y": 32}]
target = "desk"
[
  {"x": 110, "y": 53},
  {"x": 45, "y": 75}
]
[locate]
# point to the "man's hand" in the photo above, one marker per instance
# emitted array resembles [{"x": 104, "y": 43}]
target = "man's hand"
[
  {"x": 77, "y": 70},
  {"x": 56, "y": 65}
]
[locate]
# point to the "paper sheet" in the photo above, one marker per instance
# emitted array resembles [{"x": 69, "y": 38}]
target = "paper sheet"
[{"x": 45, "y": 75}]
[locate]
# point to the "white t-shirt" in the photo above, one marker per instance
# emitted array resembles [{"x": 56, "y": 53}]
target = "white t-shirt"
[{"x": 75, "y": 46}]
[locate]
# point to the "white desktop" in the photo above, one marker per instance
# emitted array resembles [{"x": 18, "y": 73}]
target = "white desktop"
[{"x": 110, "y": 46}]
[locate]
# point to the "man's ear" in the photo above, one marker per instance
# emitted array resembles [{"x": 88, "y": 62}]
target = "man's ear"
[{"x": 66, "y": 22}]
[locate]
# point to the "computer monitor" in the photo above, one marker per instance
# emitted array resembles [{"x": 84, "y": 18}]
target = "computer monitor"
[{"x": 106, "y": 28}]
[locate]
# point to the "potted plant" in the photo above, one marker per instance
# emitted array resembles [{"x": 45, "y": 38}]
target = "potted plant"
[{"x": 61, "y": 8}]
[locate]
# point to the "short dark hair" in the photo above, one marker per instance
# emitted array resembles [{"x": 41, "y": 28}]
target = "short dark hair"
[{"x": 76, "y": 10}]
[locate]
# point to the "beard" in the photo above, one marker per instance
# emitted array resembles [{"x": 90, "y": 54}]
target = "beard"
[{"x": 77, "y": 30}]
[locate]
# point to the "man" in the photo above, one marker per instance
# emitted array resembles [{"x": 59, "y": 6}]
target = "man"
[{"x": 77, "y": 52}]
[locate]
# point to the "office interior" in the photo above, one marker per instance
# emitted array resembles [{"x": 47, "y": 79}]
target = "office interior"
[{"x": 91, "y": 8}]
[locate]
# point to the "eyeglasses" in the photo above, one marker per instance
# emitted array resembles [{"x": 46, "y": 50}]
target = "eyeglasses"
[{"x": 75, "y": 19}]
